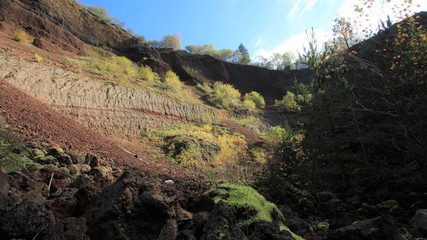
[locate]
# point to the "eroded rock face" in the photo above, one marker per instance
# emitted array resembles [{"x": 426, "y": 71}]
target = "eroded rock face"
[
  {"x": 109, "y": 108},
  {"x": 271, "y": 84},
  {"x": 65, "y": 26}
]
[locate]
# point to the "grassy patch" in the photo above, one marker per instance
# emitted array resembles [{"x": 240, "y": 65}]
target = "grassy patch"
[
  {"x": 205, "y": 147},
  {"x": 248, "y": 205},
  {"x": 252, "y": 122},
  {"x": 122, "y": 71}
]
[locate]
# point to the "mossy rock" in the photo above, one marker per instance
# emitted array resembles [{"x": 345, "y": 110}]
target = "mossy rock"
[
  {"x": 15, "y": 162},
  {"x": 56, "y": 151},
  {"x": 46, "y": 160},
  {"x": 38, "y": 153},
  {"x": 248, "y": 205}
]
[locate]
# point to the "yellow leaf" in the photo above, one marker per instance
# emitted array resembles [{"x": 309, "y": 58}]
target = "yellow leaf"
[{"x": 357, "y": 9}]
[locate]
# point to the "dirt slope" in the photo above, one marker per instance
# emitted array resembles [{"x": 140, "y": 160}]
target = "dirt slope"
[
  {"x": 64, "y": 26},
  {"x": 108, "y": 108},
  {"x": 38, "y": 121}
]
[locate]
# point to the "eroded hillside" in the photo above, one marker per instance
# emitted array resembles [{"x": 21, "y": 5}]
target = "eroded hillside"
[
  {"x": 110, "y": 108},
  {"x": 90, "y": 149}
]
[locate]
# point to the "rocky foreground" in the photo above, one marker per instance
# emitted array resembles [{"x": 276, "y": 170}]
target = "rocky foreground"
[{"x": 56, "y": 195}]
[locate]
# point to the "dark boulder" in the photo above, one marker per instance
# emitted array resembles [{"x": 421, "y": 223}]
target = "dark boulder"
[
  {"x": 419, "y": 221},
  {"x": 222, "y": 224},
  {"x": 380, "y": 228},
  {"x": 268, "y": 231},
  {"x": 26, "y": 220}
]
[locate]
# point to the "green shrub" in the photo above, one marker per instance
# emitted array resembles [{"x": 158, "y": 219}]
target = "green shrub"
[
  {"x": 275, "y": 135},
  {"x": 126, "y": 66},
  {"x": 101, "y": 13},
  {"x": 21, "y": 36},
  {"x": 146, "y": 73},
  {"x": 288, "y": 102},
  {"x": 249, "y": 105},
  {"x": 205, "y": 87},
  {"x": 172, "y": 82},
  {"x": 119, "y": 69},
  {"x": 256, "y": 98},
  {"x": 252, "y": 122},
  {"x": 225, "y": 96}
]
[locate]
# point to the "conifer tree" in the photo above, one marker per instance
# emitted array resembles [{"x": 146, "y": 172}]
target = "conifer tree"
[{"x": 245, "y": 59}]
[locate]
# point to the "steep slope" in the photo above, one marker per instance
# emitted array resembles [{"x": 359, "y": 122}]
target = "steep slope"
[
  {"x": 64, "y": 26},
  {"x": 38, "y": 121},
  {"x": 111, "y": 109},
  {"x": 271, "y": 84}
]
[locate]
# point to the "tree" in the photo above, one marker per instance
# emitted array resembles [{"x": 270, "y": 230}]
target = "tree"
[
  {"x": 344, "y": 33},
  {"x": 311, "y": 56},
  {"x": 155, "y": 44},
  {"x": 226, "y": 55},
  {"x": 276, "y": 62},
  {"x": 168, "y": 41},
  {"x": 192, "y": 49},
  {"x": 101, "y": 13},
  {"x": 172, "y": 41},
  {"x": 370, "y": 114},
  {"x": 245, "y": 59},
  {"x": 205, "y": 49}
]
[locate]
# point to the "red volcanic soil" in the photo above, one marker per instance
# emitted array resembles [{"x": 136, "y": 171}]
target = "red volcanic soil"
[{"x": 37, "y": 121}]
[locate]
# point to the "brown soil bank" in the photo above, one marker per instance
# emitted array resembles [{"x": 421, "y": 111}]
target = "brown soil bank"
[
  {"x": 38, "y": 121},
  {"x": 105, "y": 107}
]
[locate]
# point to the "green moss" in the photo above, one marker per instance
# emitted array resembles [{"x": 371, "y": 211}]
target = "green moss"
[
  {"x": 249, "y": 205},
  {"x": 323, "y": 226},
  {"x": 37, "y": 153},
  {"x": 15, "y": 162},
  {"x": 46, "y": 160},
  {"x": 14, "y": 154},
  {"x": 12, "y": 157}
]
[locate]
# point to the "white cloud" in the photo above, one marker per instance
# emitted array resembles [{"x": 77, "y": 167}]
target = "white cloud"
[
  {"x": 300, "y": 7},
  {"x": 309, "y": 5},
  {"x": 295, "y": 9},
  {"x": 294, "y": 44},
  {"x": 259, "y": 42}
]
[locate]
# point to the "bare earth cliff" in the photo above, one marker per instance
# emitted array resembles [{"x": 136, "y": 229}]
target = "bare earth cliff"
[{"x": 109, "y": 108}]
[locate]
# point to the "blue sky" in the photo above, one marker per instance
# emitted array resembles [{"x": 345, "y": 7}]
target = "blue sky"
[{"x": 263, "y": 26}]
